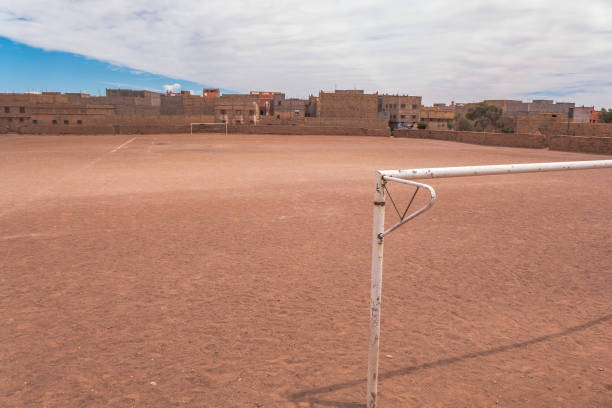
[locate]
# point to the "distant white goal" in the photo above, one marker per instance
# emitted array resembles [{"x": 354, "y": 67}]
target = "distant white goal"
[{"x": 199, "y": 125}]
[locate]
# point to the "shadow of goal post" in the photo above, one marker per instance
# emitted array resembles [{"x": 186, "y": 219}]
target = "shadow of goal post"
[
  {"x": 379, "y": 231},
  {"x": 224, "y": 124}
]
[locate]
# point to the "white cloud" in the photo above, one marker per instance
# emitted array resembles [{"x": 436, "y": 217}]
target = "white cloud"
[
  {"x": 441, "y": 49},
  {"x": 172, "y": 88}
]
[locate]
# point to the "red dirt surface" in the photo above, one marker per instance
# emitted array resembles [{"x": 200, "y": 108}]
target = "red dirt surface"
[{"x": 213, "y": 271}]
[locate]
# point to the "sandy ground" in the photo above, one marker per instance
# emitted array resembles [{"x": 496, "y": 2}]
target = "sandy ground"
[{"x": 213, "y": 271}]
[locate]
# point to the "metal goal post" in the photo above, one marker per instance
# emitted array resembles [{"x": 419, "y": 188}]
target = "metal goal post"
[
  {"x": 207, "y": 123},
  {"x": 379, "y": 231}
]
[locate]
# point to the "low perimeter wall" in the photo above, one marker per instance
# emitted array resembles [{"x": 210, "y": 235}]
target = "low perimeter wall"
[
  {"x": 482, "y": 138},
  {"x": 584, "y": 144},
  {"x": 307, "y": 130},
  {"x": 152, "y": 127}
]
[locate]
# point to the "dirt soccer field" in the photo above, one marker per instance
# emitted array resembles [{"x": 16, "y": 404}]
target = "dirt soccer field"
[{"x": 214, "y": 271}]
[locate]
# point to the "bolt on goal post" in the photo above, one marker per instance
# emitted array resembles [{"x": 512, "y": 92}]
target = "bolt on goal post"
[
  {"x": 207, "y": 123},
  {"x": 379, "y": 231}
]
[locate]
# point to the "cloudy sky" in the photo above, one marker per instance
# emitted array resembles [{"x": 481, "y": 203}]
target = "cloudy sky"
[{"x": 441, "y": 49}]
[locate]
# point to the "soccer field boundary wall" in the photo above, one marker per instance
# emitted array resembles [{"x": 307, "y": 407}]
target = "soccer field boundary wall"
[
  {"x": 549, "y": 125},
  {"x": 155, "y": 127},
  {"x": 578, "y": 144},
  {"x": 160, "y": 124},
  {"x": 308, "y": 130},
  {"x": 582, "y": 144},
  {"x": 482, "y": 138}
]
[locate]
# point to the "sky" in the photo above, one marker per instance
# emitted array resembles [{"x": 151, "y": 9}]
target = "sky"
[
  {"x": 443, "y": 50},
  {"x": 30, "y": 69}
]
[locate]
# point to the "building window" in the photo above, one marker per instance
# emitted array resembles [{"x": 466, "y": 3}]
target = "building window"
[
  {"x": 280, "y": 103},
  {"x": 223, "y": 112},
  {"x": 10, "y": 119},
  {"x": 22, "y": 109},
  {"x": 261, "y": 112},
  {"x": 413, "y": 116},
  {"x": 54, "y": 122},
  {"x": 403, "y": 116},
  {"x": 66, "y": 121},
  {"x": 21, "y": 119},
  {"x": 277, "y": 116},
  {"x": 251, "y": 122},
  {"x": 79, "y": 122},
  {"x": 252, "y": 112},
  {"x": 238, "y": 112},
  {"x": 237, "y": 122},
  {"x": 414, "y": 106},
  {"x": 34, "y": 121},
  {"x": 403, "y": 105},
  {"x": 7, "y": 109}
]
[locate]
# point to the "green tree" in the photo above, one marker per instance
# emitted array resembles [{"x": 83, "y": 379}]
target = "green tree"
[
  {"x": 605, "y": 116},
  {"x": 463, "y": 124},
  {"x": 484, "y": 116}
]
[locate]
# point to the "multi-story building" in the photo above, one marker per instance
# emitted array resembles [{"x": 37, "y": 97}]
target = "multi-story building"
[
  {"x": 210, "y": 93},
  {"x": 266, "y": 101},
  {"x": 515, "y": 108},
  {"x": 348, "y": 104},
  {"x": 439, "y": 117},
  {"x": 288, "y": 109},
  {"x": 50, "y": 108},
  {"x": 399, "y": 109},
  {"x": 548, "y": 106},
  {"x": 237, "y": 109},
  {"x": 581, "y": 114}
]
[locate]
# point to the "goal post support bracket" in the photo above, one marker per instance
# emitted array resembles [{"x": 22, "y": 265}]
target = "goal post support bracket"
[{"x": 379, "y": 232}]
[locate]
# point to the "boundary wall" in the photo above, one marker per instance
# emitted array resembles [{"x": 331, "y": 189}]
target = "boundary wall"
[
  {"x": 583, "y": 144},
  {"x": 153, "y": 125},
  {"x": 482, "y": 138},
  {"x": 308, "y": 130},
  {"x": 580, "y": 144}
]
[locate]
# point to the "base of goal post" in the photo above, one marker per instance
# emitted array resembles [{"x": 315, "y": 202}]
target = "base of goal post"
[
  {"x": 379, "y": 231},
  {"x": 191, "y": 125}
]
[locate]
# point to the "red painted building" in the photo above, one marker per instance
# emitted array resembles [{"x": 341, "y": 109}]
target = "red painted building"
[{"x": 265, "y": 101}]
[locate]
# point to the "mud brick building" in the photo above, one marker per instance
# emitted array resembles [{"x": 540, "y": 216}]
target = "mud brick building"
[
  {"x": 266, "y": 101},
  {"x": 399, "y": 109},
  {"x": 348, "y": 104},
  {"x": 210, "y": 93},
  {"x": 131, "y": 102},
  {"x": 51, "y": 110},
  {"x": 289, "y": 109},
  {"x": 438, "y": 117},
  {"x": 581, "y": 114},
  {"x": 237, "y": 109},
  {"x": 516, "y": 108},
  {"x": 548, "y": 106},
  {"x": 351, "y": 108}
]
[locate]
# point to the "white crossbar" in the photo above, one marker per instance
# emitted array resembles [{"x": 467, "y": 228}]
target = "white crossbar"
[
  {"x": 379, "y": 233},
  {"x": 445, "y": 172}
]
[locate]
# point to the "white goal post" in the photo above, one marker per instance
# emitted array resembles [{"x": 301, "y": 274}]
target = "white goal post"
[
  {"x": 224, "y": 124},
  {"x": 379, "y": 231}
]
